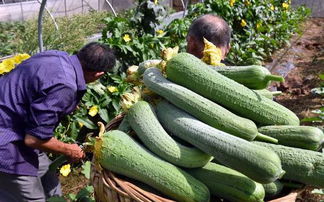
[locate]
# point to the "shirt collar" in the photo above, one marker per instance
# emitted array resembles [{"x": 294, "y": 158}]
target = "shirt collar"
[{"x": 81, "y": 84}]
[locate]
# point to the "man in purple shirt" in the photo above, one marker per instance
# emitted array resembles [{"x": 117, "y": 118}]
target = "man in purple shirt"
[{"x": 33, "y": 99}]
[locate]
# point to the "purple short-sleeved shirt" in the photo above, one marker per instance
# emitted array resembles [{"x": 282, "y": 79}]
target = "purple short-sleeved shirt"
[{"x": 33, "y": 98}]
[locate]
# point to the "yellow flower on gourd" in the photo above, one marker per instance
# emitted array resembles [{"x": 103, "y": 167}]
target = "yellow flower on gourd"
[
  {"x": 93, "y": 111},
  {"x": 232, "y": 2},
  {"x": 272, "y": 8},
  {"x": 127, "y": 38},
  {"x": 160, "y": 32},
  {"x": 243, "y": 23},
  {"x": 65, "y": 170},
  {"x": 211, "y": 54},
  {"x": 156, "y": 2},
  {"x": 112, "y": 89},
  {"x": 285, "y": 5}
]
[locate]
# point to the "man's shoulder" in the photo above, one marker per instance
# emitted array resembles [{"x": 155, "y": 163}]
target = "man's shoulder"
[
  {"x": 53, "y": 67},
  {"x": 51, "y": 53}
]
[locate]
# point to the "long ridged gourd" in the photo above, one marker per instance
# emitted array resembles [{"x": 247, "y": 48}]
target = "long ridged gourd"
[
  {"x": 259, "y": 164},
  {"x": 301, "y": 165},
  {"x": 190, "y": 72},
  {"x": 118, "y": 152},
  {"x": 228, "y": 183},
  {"x": 254, "y": 76},
  {"x": 144, "y": 122},
  {"x": 200, "y": 107},
  {"x": 305, "y": 137}
]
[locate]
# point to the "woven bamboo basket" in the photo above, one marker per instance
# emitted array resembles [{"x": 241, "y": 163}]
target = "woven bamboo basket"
[{"x": 108, "y": 187}]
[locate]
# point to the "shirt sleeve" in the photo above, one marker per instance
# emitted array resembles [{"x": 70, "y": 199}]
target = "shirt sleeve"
[{"x": 47, "y": 109}]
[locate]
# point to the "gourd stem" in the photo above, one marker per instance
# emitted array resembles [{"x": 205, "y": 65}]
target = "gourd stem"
[
  {"x": 275, "y": 93},
  {"x": 265, "y": 138},
  {"x": 272, "y": 77}
]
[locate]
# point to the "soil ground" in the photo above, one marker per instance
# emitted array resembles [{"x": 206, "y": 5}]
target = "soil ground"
[{"x": 306, "y": 55}]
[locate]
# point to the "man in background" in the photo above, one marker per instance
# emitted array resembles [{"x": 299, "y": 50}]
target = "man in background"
[
  {"x": 33, "y": 99},
  {"x": 214, "y": 29}
]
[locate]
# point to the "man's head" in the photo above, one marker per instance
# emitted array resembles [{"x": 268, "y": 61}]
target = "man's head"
[
  {"x": 96, "y": 59},
  {"x": 211, "y": 27}
]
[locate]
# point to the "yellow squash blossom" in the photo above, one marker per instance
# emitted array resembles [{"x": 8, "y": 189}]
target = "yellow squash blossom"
[
  {"x": 93, "y": 111},
  {"x": 232, "y": 2},
  {"x": 156, "y": 2},
  {"x": 211, "y": 54},
  {"x": 127, "y": 38},
  {"x": 285, "y": 5},
  {"x": 160, "y": 32},
  {"x": 243, "y": 23},
  {"x": 272, "y": 8},
  {"x": 65, "y": 170},
  {"x": 112, "y": 89}
]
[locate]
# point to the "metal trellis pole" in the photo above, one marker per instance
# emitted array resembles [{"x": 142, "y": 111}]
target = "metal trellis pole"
[
  {"x": 111, "y": 7},
  {"x": 52, "y": 17},
  {"x": 40, "y": 21}
]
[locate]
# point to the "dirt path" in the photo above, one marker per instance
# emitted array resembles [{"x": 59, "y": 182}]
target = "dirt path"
[{"x": 306, "y": 57}]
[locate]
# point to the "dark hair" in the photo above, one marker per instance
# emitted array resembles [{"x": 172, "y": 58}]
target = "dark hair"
[
  {"x": 211, "y": 27},
  {"x": 96, "y": 57}
]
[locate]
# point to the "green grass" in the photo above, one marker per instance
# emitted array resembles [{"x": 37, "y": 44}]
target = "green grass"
[{"x": 21, "y": 37}]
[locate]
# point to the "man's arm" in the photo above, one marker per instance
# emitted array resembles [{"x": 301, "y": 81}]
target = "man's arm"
[{"x": 73, "y": 151}]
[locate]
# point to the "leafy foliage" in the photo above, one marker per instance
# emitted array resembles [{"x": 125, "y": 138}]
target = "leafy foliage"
[
  {"x": 259, "y": 27},
  {"x": 21, "y": 37},
  {"x": 137, "y": 39}
]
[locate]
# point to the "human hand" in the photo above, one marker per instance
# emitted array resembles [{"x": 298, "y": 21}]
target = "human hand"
[{"x": 74, "y": 152}]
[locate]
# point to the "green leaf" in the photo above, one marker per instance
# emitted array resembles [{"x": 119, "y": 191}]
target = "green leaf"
[
  {"x": 86, "y": 167},
  {"x": 72, "y": 197},
  {"x": 312, "y": 119},
  {"x": 104, "y": 114},
  {"x": 56, "y": 199},
  {"x": 87, "y": 191},
  {"x": 86, "y": 122},
  {"x": 321, "y": 76}
]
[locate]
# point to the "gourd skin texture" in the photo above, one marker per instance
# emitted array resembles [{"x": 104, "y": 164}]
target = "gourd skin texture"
[
  {"x": 259, "y": 164},
  {"x": 144, "y": 122},
  {"x": 118, "y": 152},
  {"x": 228, "y": 183},
  {"x": 188, "y": 71},
  {"x": 200, "y": 107},
  {"x": 305, "y": 137},
  {"x": 301, "y": 165},
  {"x": 273, "y": 189}
]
